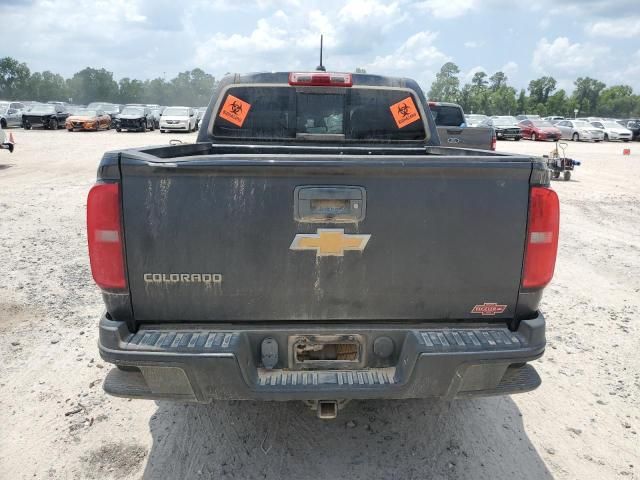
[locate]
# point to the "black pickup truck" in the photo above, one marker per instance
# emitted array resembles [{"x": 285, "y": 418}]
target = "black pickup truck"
[{"x": 317, "y": 244}]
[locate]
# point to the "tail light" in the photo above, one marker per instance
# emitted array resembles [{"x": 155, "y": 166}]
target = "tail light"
[
  {"x": 104, "y": 232},
  {"x": 542, "y": 237},
  {"x": 321, "y": 79},
  {"x": 493, "y": 141}
]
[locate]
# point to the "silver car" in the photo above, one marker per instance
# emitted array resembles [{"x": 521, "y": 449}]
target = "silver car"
[
  {"x": 10, "y": 116},
  {"x": 613, "y": 130},
  {"x": 578, "y": 130},
  {"x": 474, "y": 119}
]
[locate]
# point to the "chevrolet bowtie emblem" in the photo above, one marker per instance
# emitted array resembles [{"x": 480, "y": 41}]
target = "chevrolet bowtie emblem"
[{"x": 329, "y": 242}]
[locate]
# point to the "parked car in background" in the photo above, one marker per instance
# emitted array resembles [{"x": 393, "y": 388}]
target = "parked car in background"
[
  {"x": 579, "y": 130},
  {"x": 553, "y": 119},
  {"x": 453, "y": 129},
  {"x": 590, "y": 119},
  {"x": 9, "y": 116},
  {"x": 199, "y": 114},
  {"x": 47, "y": 115},
  {"x": 506, "y": 127},
  {"x": 13, "y": 105},
  {"x": 538, "y": 129},
  {"x": 72, "y": 109},
  {"x": 632, "y": 124},
  {"x": 5, "y": 144},
  {"x": 156, "y": 113},
  {"x": 613, "y": 130},
  {"x": 135, "y": 118},
  {"x": 178, "y": 119},
  {"x": 474, "y": 119},
  {"x": 86, "y": 119},
  {"x": 527, "y": 117}
]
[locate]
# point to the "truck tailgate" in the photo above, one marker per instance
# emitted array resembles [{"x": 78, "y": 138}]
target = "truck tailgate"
[{"x": 213, "y": 238}]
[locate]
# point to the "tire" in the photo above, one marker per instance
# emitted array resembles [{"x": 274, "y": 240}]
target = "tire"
[
  {"x": 69, "y": 129},
  {"x": 555, "y": 174},
  {"x": 606, "y": 137},
  {"x": 534, "y": 137},
  {"x": 517, "y": 139},
  {"x": 567, "y": 176},
  {"x": 625, "y": 140},
  {"x": 162, "y": 131},
  {"x": 53, "y": 124},
  {"x": 118, "y": 129},
  {"x": 153, "y": 126},
  {"x": 575, "y": 137},
  {"x": 3, "y": 124},
  {"x": 27, "y": 126}
]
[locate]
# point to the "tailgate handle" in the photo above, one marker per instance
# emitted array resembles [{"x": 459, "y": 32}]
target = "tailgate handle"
[
  {"x": 454, "y": 130},
  {"x": 329, "y": 204}
]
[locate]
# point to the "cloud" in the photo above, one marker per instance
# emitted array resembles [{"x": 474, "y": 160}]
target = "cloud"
[
  {"x": 447, "y": 8},
  {"x": 562, "y": 56},
  {"x": 417, "y": 55},
  {"x": 509, "y": 68},
  {"x": 472, "y": 44},
  {"x": 289, "y": 39},
  {"x": 616, "y": 28},
  {"x": 467, "y": 77}
]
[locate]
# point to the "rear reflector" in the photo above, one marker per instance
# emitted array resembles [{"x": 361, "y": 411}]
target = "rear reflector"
[
  {"x": 542, "y": 237},
  {"x": 104, "y": 232},
  {"x": 320, "y": 79}
]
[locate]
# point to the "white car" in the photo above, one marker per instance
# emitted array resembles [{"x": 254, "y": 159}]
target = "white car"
[
  {"x": 474, "y": 119},
  {"x": 613, "y": 130},
  {"x": 578, "y": 130},
  {"x": 178, "y": 119}
]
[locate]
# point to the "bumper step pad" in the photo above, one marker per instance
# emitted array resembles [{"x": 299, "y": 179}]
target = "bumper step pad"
[
  {"x": 205, "y": 362},
  {"x": 337, "y": 378}
]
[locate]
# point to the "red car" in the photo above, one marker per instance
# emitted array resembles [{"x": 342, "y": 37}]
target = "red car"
[{"x": 539, "y": 130}]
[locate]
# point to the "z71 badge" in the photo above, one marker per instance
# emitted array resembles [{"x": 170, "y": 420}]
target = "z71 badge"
[{"x": 488, "y": 309}]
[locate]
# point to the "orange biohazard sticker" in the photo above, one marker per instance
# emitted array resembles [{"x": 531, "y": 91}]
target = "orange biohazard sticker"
[
  {"x": 235, "y": 110},
  {"x": 405, "y": 112}
]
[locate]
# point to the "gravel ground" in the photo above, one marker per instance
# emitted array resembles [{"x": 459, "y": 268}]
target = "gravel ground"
[{"x": 56, "y": 422}]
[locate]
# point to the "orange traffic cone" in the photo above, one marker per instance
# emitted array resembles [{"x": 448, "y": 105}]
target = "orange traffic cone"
[{"x": 11, "y": 140}]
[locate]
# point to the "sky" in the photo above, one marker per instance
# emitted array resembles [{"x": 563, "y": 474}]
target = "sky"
[{"x": 159, "y": 38}]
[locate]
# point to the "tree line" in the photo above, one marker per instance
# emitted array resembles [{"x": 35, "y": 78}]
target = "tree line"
[
  {"x": 491, "y": 95},
  {"x": 191, "y": 88}
]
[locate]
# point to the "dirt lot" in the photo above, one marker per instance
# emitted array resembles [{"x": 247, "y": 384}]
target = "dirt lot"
[{"x": 56, "y": 422}]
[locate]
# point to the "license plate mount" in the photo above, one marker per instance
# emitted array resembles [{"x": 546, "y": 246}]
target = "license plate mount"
[{"x": 326, "y": 352}]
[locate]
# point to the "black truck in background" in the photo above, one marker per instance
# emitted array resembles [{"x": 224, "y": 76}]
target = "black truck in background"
[{"x": 318, "y": 244}]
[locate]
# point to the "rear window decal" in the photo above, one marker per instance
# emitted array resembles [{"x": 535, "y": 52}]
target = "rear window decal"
[
  {"x": 405, "y": 112},
  {"x": 235, "y": 110}
]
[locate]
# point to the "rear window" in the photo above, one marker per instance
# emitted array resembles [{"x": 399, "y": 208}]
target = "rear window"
[
  {"x": 349, "y": 114},
  {"x": 447, "y": 115}
]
